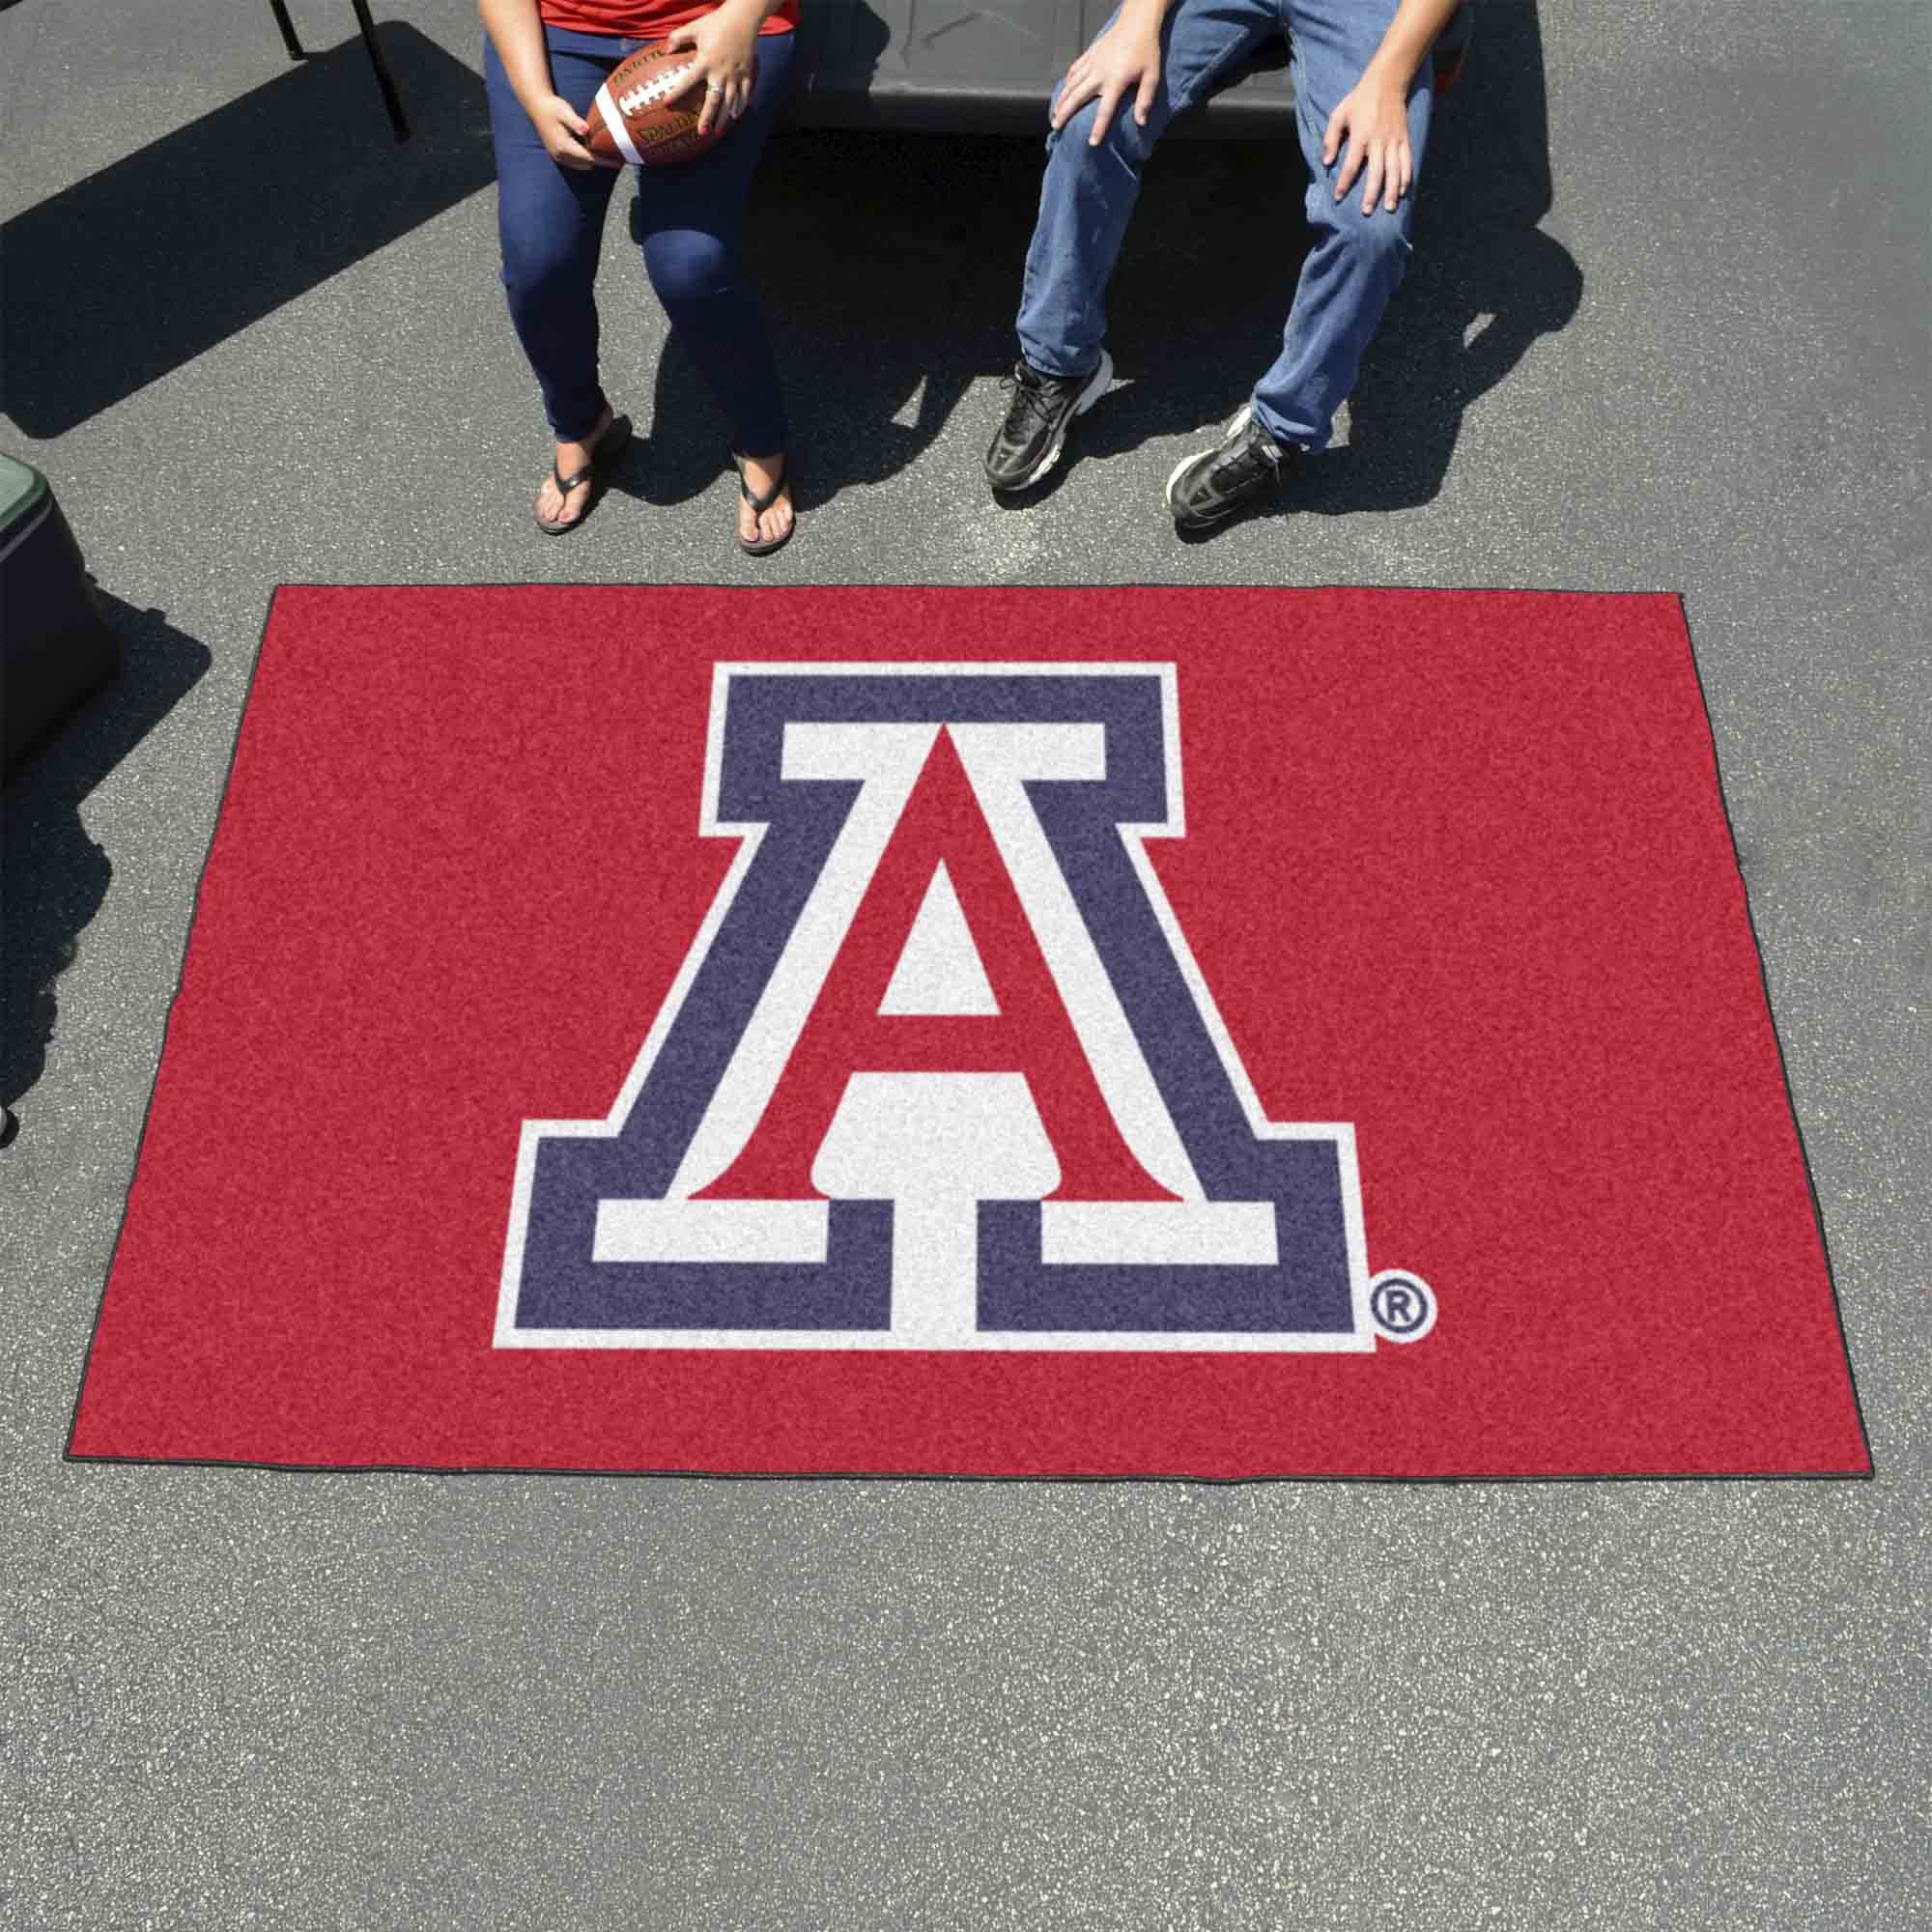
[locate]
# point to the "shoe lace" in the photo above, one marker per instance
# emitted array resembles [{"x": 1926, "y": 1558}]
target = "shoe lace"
[
  {"x": 1252, "y": 454},
  {"x": 1030, "y": 398}
]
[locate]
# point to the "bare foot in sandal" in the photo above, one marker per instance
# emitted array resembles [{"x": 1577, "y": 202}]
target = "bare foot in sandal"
[
  {"x": 561, "y": 510},
  {"x": 764, "y": 475}
]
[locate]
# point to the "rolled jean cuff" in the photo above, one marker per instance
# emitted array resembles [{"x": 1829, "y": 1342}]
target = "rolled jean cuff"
[
  {"x": 1288, "y": 437},
  {"x": 1045, "y": 365}
]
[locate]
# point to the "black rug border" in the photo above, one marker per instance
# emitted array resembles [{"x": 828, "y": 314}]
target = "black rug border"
[{"x": 1866, "y": 1475}]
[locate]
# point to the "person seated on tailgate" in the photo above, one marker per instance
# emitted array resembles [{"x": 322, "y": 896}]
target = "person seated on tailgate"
[
  {"x": 1362, "y": 79},
  {"x": 543, "y": 63}
]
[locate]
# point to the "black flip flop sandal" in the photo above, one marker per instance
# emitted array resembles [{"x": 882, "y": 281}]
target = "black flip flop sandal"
[
  {"x": 764, "y": 546},
  {"x": 609, "y": 446}
]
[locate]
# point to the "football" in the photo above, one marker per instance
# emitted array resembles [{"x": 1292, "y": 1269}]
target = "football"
[{"x": 647, "y": 112}]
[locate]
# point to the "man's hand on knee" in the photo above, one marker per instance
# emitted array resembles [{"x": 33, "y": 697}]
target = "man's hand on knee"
[
  {"x": 1373, "y": 116},
  {"x": 1123, "y": 59},
  {"x": 1372, "y": 119}
]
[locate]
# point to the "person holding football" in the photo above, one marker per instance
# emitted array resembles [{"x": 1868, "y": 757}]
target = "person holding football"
[
  {"x": 543, "y": 63},
  {"x": 1363, "y": 87}
]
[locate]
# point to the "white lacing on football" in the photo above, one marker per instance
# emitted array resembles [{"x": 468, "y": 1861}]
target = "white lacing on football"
[{"x": 671, "y": 81}]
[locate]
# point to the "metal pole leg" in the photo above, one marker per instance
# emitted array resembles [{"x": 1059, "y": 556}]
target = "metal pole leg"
[
  {"x": 288, "y": 27},
  {"x": 391, "y": 99}
]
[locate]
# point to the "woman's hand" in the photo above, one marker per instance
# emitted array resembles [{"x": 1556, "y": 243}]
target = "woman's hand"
[
  {"x": 559, "y": 126},
  {"x": 723, "y": 40},
  {"x": 1127, "y": 55},
  {"x": 1374, "y": 117}
]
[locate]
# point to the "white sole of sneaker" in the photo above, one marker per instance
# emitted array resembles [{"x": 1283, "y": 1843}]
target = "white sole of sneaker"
[
  {"x": 1237, "y": 422},
  {"x": 1097, "y": 387}
]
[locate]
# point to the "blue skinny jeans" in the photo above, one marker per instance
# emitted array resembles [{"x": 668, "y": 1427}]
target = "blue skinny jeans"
[
  {"x": 1350, "y": 273},
  {"x": 550, "y": 222}
]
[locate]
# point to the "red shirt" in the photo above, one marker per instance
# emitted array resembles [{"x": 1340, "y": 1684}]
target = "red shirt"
[{"x": 645, "y": 19}]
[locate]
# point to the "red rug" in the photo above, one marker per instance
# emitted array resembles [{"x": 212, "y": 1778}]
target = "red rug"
[{"x": 995, "y": 1033}]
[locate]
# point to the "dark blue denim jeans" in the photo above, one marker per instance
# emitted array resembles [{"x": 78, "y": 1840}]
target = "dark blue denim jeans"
[
  {"x": 550, "y": 221},
  {"x": 1352, "y": 271}
]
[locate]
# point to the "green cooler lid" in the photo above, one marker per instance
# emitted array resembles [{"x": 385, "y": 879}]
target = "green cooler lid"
[{"x": 21, "y": 490}]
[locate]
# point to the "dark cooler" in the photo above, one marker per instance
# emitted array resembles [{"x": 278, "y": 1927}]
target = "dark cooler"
[{"x": 55, "y": 644}]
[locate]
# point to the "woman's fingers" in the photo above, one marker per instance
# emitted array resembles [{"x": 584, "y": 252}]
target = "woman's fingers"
[
  {"x": 728, "y": 93},
  {"x": 565, "y": 148},
  {"x": 561, "y": 128}
]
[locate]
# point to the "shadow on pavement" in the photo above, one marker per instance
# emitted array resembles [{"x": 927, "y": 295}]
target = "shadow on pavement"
[
  {"x": 889, "y": 268},
  {"x": 53, "y": 876},
  {"x": 122, "y": 278},
  {"x": 882, "y": 263}
]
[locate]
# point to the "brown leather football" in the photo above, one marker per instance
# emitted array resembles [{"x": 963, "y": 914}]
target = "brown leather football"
[{"x": 647, "y": 113}]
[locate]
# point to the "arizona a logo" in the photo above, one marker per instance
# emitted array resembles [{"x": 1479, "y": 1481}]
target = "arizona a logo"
[{"x": 939, "y": 1070}]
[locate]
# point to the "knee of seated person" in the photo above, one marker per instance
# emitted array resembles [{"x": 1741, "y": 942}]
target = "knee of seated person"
[
  {"x": 687, "y": 265},
  {"x": 531, "y": 272},
  {"x": 1125, "y": 140},
  {"x": 1378, "y": 240}
]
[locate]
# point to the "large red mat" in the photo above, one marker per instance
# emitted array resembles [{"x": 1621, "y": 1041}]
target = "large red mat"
[{"x": 1077, "y": 1033}]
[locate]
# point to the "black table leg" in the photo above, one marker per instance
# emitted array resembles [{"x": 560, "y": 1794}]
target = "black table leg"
[
  {"x": 288, "y": 27},
  {"x": 391, "y": 99}
]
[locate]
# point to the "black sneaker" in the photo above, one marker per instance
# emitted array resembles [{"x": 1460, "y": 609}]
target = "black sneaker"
[
  {"x": 1033, "y": 435},
  {"x": 1246, "y": 462}
]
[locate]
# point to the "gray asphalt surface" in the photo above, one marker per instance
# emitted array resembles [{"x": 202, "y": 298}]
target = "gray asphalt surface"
[{"x": 1666, "y": 328}]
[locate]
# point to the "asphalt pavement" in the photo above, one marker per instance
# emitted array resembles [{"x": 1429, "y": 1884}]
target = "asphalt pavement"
[{"x": 1665, "y": 329}]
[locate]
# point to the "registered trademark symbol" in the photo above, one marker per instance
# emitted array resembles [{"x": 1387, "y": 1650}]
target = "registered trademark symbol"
[{"x": 1403, "y": 1305}]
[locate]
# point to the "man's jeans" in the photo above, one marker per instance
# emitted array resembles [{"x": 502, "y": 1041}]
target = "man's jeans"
[{"x": 1358, "y": 259}]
